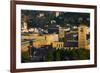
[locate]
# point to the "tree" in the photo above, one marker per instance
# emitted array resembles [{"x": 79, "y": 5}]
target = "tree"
[
  {"x": 74, "y": 54},
  {"x": 49, "y": 56},
  {"x": 83, "y": 54},
  {"x": 24, "y": 56},
  {"x": 58, "y": 58}
]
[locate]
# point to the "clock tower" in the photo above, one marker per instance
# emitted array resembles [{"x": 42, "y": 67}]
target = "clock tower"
[{"x": 82, "y": 36}]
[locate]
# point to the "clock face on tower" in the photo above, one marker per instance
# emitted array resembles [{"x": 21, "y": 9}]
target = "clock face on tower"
[{"x": 81, "y": 30}]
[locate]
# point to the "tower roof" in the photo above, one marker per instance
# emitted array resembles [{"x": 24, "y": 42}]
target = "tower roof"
[{"x": 83, "y": 23}]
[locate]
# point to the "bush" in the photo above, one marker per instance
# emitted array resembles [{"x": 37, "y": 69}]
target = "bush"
[{"x": 24, "y": 56}]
